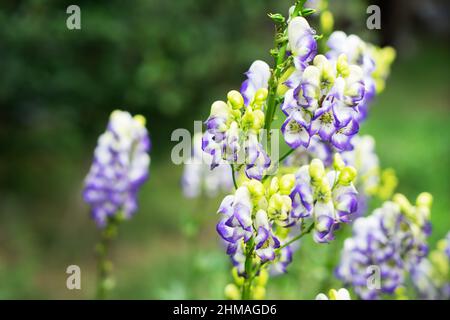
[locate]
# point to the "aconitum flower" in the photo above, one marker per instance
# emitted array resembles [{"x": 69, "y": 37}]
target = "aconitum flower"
[
  {"x": 198, "y": 178},
  {"x": 327, "y": 198},
  {"x": 375, "y": 63},
  {"x": 341, "y": 294},
  {"x": 265, "y": 241},
  {"x": 233, "y": 127},
  {"x": 391, "y": 240},
  {"x": 284, "y": 258},
  {"x": 302, "y": 44},
  {"x": 429, "y": 280},
  {"x": 430, "y": 277},
  {"x": 252, "y": 213},
  {"x": 257, "y": 77},
  {"x": 119, "y": 168},
  {"x": 325, "y": 103},
  {"x": 364, "y": 159}
]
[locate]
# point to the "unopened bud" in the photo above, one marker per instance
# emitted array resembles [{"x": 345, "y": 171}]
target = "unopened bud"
[
  {"x": 347, "y": 175},
  {"x": 424, "y": 199},
  {"x": 316, "y": 169},
  {"x": 232, "y": 292},
  {"x": 287, "y": 182},
  {"x": 235, "y": 98}
]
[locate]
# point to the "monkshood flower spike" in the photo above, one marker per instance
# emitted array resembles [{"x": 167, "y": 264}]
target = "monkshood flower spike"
[
  {"x": 392, "y": 240},
  {"x": 119, "y": 169},
  {"x": 275, "y": 202}
]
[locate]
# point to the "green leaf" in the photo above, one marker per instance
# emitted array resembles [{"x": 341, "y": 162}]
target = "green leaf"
[
  {"x": 277, "y": 17},
  {"x": 308, "y": 11}
]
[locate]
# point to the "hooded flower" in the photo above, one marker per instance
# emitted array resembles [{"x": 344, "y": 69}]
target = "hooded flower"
[
  {"x": 328, "y": 198},
  {"x": 302, "y": 44},
  {"x": 236, "y": 222},
  {"x": 251, "y": 213},
  {"x": 325, "y": 103},
  {"x": 257, "y": 77},
  {"x": 374, "y": 62},
  {"x": 233, "y": 128},
  {"x": 389, "y": 242},
  {"x": 265, "y": 241},
  {"x": 119, "y": 168}
]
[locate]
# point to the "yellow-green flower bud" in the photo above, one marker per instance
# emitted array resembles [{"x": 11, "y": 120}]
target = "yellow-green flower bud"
[
  {"x": 316, "y": 169},
  {"x": 342, "y": 65},
  {"x": 347, "y": 175},
  {"x": 274, "y": 186},
  {"x": 287, "y": 182},
  {"x": 403, "y": 203},
  {"x": 261, "y": 96},
  {"x": 219, "y": 108},
  {"x": 262, "y": 204},
  {"x": 424, "y": 199},
  {"x": 262, "y": 278},
  {"x": 323, "y": 191},
  {"x": 237, "y": 278},
  {"x": 255, "y": 188},
  {"x": 232, "y": 292},
  {"x": 248, "y": 118},
  {"x": 259, "y": 293},
  {"x": 326, "y": 22},
  {"x": 338, "y": 163},
  {"x": 140, "y": 119},
  {"x": 258, "y": 121},
  {"x": 235, "y": 98}
]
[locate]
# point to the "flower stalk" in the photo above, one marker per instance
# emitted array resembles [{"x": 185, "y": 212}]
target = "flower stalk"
[{"x": 105, "y": 281}]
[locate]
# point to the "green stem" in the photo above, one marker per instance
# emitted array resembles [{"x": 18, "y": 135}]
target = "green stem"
[
  {"x": 280, "y": 67},
  {"x": 308, "y": 230},
  {"x": 247, "y": 286},
  {"x": 285, "y": 155},
  {"x": 104, "y": 281},
  {"x": 234, "y": 178}
]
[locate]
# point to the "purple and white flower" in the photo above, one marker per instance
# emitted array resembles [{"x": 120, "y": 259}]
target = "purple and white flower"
[
  {"x": 265, "y": 241},
  {"x": 120, "y": 167},
  {"x": 324, "y": 198},
  {"x": 388, "y": 240},
  {"x": 257, "y": 77}
]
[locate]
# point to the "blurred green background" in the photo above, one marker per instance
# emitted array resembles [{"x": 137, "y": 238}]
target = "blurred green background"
[{"x": 169, "y": 60}]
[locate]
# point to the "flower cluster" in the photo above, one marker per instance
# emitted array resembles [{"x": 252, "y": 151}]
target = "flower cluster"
[
  {"x": 371, "y": 181},
  {"x": 386, "y": 244},
  {"x": 375, "y": 63},
  {"x": 328, "y": 198},
  {"x": 341, "y": 294},
  {"x": 198, "y": 178},
  {"x": 324, "y": 93},
  {"x": 431, "y": 277},
  {"x": 119, "y": 168},
  {"x": 258, "y": 288},
  {"x": 233, "y": 127},
  {"x": 251, "y": 214}
]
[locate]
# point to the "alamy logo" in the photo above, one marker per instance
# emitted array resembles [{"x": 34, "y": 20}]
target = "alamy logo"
[
  {"x": 73, "y": 21},
  {"x": 374, "y": 20},
  {"x": 74, "y": 280}
]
